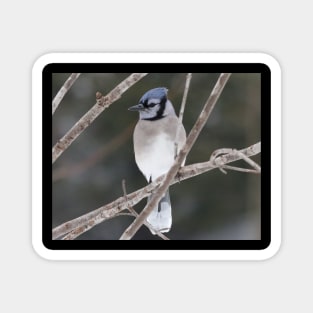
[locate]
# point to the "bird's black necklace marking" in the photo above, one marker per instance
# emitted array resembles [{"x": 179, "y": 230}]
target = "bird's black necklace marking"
[{"x": 154, "y": 118}]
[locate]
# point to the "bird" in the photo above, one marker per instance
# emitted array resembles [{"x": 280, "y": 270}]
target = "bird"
[{"x": 154, "y": 139}]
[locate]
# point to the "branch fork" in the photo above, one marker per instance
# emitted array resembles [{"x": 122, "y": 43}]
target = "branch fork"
[{"x": 218, "y": 161}]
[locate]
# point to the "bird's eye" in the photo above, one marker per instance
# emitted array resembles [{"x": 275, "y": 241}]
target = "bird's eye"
[{"x": 151, "y": 105}]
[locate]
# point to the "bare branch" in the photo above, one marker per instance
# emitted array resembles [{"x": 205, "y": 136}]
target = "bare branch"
[
  {"x": 257, "y": 168},
  {"x": 110, "y": 210},
  {"x": 250, "y": 162},
  {"x": 80, "y": 230},
  {"x": 63, "y": 90},
  {"x": 103, "y": 102},
  {"x": 183, "y": 104},
  {"x": 239, "y": 169},
  {"x": 193, "y": 135},
  {"x": 182, "y": 110}
]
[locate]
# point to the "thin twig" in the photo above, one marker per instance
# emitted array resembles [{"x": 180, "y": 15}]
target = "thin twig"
[
  {"x": 182, "y": 110},
  {"x": 239, "y": 169},
  {"x": 103, "y": 102},
  {"x": 183, "y": 104},
  {"x": 63, "y": 90},
  {"x": 250, "y": 162},
  {"x": 193, "y": 135},
  {"x": 110, "y": 210},
  {"x": 257, "y": 168}
]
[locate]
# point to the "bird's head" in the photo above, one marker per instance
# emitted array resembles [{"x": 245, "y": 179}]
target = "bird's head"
[{"x": 154, "y": 105}]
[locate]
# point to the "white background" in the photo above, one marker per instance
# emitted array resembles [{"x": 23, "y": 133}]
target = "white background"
[{"x": 32, "y": 28}]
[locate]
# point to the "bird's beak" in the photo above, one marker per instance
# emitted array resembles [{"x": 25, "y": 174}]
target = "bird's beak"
[{"x": 137, "y": 107}]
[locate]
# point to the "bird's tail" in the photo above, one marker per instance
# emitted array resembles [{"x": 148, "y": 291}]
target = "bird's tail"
[{"x": 161, "y": 216}]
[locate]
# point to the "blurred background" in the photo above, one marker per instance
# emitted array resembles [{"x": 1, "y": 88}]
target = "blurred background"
[{"x": 211, "y": 206}]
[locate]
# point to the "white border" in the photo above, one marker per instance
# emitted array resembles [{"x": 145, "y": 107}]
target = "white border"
[{"x": 156, "y": 58}]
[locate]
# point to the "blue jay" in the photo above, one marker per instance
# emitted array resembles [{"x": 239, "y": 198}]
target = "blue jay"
[{"x": 154, "y": 145}]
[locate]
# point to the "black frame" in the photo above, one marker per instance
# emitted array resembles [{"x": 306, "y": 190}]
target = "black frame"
[{"x": 157, "y": 68}]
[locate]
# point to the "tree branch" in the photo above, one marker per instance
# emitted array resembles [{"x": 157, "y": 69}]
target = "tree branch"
[
  {"x": 63, "y": 90},
  {"x": 193, "y": 135},
  {"x": 182, "y": 110},
  {"x": 183, "y": 104},
  {"x": 110, "y": 210},
  {"x": 103, "y": 102},
  {"x": 257, "y": 168}
]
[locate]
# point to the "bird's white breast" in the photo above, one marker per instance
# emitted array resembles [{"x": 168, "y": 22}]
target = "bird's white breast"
[
  {"x": 154, "y": 145},
  {"x": 156, "y": 156}
]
